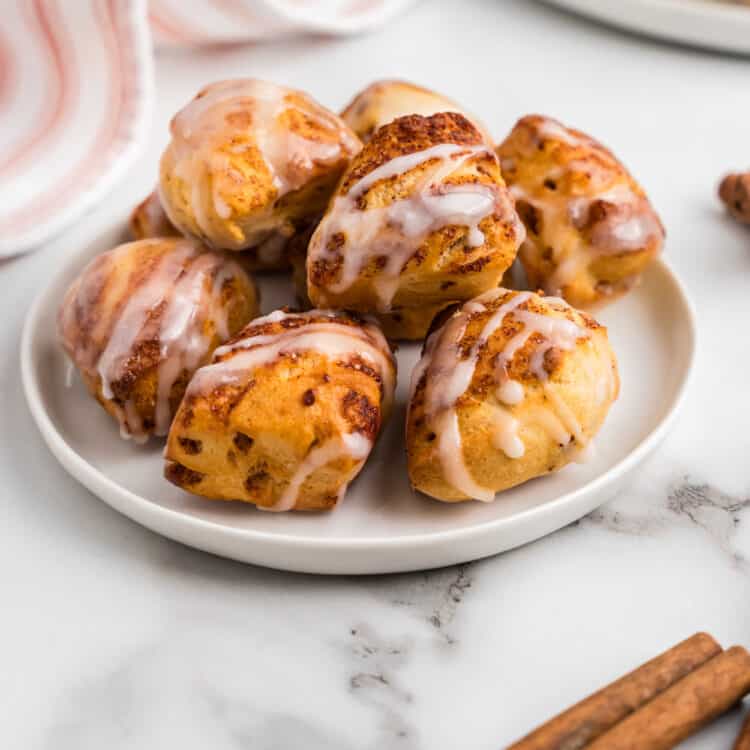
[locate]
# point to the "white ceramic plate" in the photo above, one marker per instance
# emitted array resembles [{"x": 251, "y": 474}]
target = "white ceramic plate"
[
  {"x": 703, "y": 23},
  {"x": 382, "y": 526}
]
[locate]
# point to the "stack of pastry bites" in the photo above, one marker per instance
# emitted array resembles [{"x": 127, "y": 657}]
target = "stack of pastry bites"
[{"x": 400, "y": 219}]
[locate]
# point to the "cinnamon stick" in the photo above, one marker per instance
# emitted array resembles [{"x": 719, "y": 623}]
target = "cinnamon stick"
[
  {"x": 743, "y": 738},
  {"x": 595, "y": 715},
  {"x": 685, "y": 707}
]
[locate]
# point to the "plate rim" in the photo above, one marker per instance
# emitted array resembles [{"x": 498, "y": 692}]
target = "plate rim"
[
  {"x": 695, "y": 10},
  {"x": 157, "y": 518}
]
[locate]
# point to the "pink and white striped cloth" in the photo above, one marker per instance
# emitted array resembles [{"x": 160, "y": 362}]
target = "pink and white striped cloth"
[{"x": 77, "y": 87}]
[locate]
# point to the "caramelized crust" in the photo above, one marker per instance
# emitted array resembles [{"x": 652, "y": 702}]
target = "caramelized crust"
[
  {"x": 407, "y": 135},
  {"x": 591, "y": 230},
  {"x": 420, "y": 220}
]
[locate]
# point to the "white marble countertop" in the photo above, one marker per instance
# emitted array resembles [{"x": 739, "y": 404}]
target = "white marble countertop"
[{"x": 112, "y": 637}]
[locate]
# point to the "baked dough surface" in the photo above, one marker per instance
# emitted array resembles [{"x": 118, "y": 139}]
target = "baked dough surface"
[
  {"x": 249, "y": 163},
  {"x": 591, "y": 230},
  {"x": 511, "y": 386},
  {"x": 384, "y": 101},
  {"x": 420, "y": 220}
]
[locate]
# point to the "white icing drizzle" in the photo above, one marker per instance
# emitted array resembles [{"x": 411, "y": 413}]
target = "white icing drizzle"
[
  {"x": 631, "y": 227},
  {"x": 331, "y": 338},
  {"x": 505, "y": 436},
  {"x": 559, "y": 333},
  {"x": 222, "y": 117},
  {"x": 567, "y": 270},
  {"x": 550, "y": 129},
  {"x": 548, "y": 420},
  {"x": 131, "y": 424},
  {"x": 353, "y": 445},
  {"x": 182, "y": 338},
  {"x": 578, "y": 207},
  {"x": 565, "y": 414},
  {"x": 128, "y": 328},
  {"x": 172, "y": 305},
  {"x": 632, "y": 231},
  {"x": 395, "y": 232},
  {"x": 448, "y": 376},
  {"x": 222, "y": 208},
  {"x": 510, "y": 392},
  {"x": 450, "y": 450}
]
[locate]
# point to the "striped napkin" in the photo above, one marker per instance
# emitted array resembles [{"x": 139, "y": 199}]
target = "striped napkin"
[{"x": 77, "y": 87}]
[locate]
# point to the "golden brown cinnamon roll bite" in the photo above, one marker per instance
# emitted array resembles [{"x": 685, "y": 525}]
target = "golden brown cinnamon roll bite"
[
  {"x": 420, "y": 220},
  {"x": 148, "y": 219},
  {"x": 140, "y": 319},
  {"x": 509, "y": 387},
  {"x": 286, "y": 414},
  {"x": 591, "y": 229},
  {"x": 384, "y": 101},
  {"x": 249, "y": 162}
]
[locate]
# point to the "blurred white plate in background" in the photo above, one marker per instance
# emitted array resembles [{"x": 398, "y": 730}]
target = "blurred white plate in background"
[{"x": 703, "y": 23}]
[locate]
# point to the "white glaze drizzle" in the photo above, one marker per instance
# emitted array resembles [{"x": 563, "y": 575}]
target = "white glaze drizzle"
[
  {"x": 395, "y": 232},
  {"x": 448, "y": 376},
  {"x": 578, "y": 206},
  {"x": 505, "y": 436},
  {"x": 548, "y": 420},
  {"x": 131, "y": 424},
  {"x": 171, "y": 305},
  {"x": 353, "y": 445},
  {"x": 550, "y": 129},
  {"x": 510, "y": 392},
  {"x": 632, "y": 227},
  {"x": 567, "y": 270},
  {"x": 218, "y": 117},
  {"x": 182, "y": 338},
  {"x": 129, "y": 325},
  {"x": 70, "y": 371},
  {"x": 331, "y": 338}
]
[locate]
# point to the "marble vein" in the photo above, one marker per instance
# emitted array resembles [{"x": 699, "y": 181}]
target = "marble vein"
[
  {"x": 434, "y": 596},
  {"x": 688, "y": 501},
  {"x": 377, "y": 685}
]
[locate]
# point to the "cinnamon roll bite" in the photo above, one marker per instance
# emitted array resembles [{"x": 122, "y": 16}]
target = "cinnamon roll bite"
[
  {"x": 421, "y": 219},
  {"x": 511, "y": 386},
  {"x": 384, "y": 101},
  {"x": 149, "y": 219},
  {"x": 591, "y": 230},
  {"x": 250, "y": 162},
  {"x": 141, "y": 318},
  {"x": 285, "y": 415}
]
